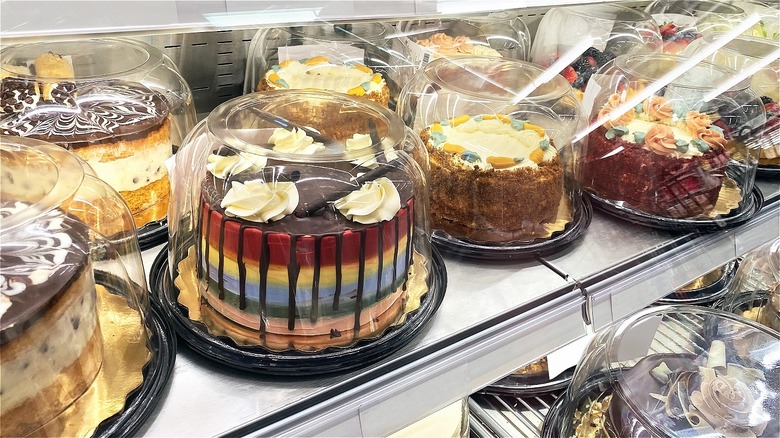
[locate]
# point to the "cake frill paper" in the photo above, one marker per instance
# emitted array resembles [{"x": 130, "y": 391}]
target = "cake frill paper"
[
  {"x": 200, "y": 310},
  {"x": 125, "y": 353}
]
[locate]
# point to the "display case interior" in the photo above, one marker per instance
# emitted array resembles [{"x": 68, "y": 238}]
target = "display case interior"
[
  {"x": 120, "y": 105},
  {"x": 77, "y": 344}
]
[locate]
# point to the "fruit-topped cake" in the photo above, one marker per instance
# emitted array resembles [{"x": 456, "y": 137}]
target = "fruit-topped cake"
[
  {"x": 321, "y": 73},
  {"x": 493, "y": 177},
  {"x": 443, "y": 45},
  {"x": 658, "y": 157},
  {"x": 578, "y": 73},
  {"x": 677, "y": 38},
  {"x": 301, "y": 254},
  {"x": 121, "y": 128}
]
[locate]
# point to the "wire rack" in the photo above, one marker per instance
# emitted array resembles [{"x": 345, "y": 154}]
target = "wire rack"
[{"x": 507, "y": 416}]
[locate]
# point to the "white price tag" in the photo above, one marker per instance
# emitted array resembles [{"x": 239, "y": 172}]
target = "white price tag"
[
  {"x": 567, "y": 356},
  {"x": 636, "y": 342},
  {"x": 336, "y": 52},
  {"x": 419, "y": 55}
]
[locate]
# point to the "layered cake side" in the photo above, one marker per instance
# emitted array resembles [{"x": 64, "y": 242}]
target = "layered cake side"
[
  {"x": 323, "y": 74},
  {"x": 122, "y": 129},
  {"x": 492, "y": 176},
  {"x": 656, "y": 158},
  {"x": 443, "y": 45},
  {"x": 302, "y": 273},
  {"x": 50, "y": 341}
]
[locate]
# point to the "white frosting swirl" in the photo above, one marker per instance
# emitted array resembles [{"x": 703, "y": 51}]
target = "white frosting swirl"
[
  {"x": 223, "y": 166},
  {"x": 376, "y": 201},
  {"x": 258, "y": 201},
  {"x": 358, "y": 141},
  {"x": 294, "y": 142}
]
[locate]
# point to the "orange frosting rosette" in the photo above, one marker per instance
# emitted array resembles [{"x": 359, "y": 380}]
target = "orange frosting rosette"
[
  {"x": 657, "y": 108},
  {"x": 695, "y": 120},
  {"x": 711, "y": 136},
  {"x": 660, "y": 139},
  {"x": 623, "y": 120}
]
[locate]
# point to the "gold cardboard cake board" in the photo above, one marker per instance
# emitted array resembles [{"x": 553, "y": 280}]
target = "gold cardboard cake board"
[
  {"x": 217, "y": 325},
  {"x": 728, "y": 199},
  {"x": 125, "y": 353}
]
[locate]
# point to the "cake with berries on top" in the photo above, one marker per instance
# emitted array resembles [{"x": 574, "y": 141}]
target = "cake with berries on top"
[
  {"x": 656, "y": 158},
  {"x": 506, "y": 172},
  {"x": 677, "y": 38},
  {"x": 578, "y": 73}
]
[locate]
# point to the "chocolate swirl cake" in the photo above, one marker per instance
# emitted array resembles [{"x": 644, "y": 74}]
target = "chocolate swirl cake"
[
  {"x": 121, "y": 128},
  {"x": 50, "y": 341}
]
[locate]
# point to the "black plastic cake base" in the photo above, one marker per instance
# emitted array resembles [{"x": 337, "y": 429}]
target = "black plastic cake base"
[
  {"x": 522, "y": 386},
  {"x": 156, "y": 373},
  {"x": 769, "y": 172},
  {"x": 582, "y": 213},
  {"x": 749, "y": 206},
  {"x": 260, "y": 360},
  {"x": 153, "y": 234},
  {"x": 705, "y": 296}
]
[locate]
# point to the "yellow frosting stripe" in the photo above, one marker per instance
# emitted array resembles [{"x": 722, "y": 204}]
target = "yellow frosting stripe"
[
  {"x": 436, "y": 128},
  {"x": 317, "y": 60},
  {"x": 539, "y": 130},
  {"x": 363, "y": 68},
  {"x": 273, "y": 77},
  {"x": 377, "y": 78},
  {"x": 501, "y": 162},
  {"x": 453, "y": 148},
  {"x": 537, "y": 156},
  {"x": 357, "y": 91},
  {"x": 459, "y": 120},
  {"x": 285, "y": 63}
]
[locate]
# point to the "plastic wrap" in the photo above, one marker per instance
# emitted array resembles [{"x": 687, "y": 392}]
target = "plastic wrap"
[{"x": 118, "y": 104}]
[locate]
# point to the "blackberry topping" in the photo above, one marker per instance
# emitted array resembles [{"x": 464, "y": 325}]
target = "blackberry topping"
[
  {"x": 591, "y": 51},
  {"x": 603, "y": 58},
  {"x": 766, "y": 100},
  {"x": 581, "y": 64}
]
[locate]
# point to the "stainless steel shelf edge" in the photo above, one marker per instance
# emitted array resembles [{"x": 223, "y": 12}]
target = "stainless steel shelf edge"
[
  {"x": 644, "y": 283},
  {"x": 437, "y": 378}
]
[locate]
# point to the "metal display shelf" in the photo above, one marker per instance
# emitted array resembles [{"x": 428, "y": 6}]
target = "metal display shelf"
[{"x": 495, "y": 318}]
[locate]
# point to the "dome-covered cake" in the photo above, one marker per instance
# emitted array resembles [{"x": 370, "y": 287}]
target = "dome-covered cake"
[
  {"x": 309, "y": 219},
  {"x": 682, "y": 22},
  {"x": 96, "y": 99}
]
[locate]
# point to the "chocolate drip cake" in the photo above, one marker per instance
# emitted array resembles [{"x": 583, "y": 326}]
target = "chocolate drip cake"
[
  {"x": 493, "y": 178},
  {"x": 299, "y": 272},
  {"x": 656, "y": 158},
  {"x": 122, "y": 129},
  {"x": 50, "y": 342}
]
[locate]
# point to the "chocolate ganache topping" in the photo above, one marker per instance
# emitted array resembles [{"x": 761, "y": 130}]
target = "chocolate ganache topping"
[
  {"x": 38, "y": 260},
  {"x": 104, "y": 112}
]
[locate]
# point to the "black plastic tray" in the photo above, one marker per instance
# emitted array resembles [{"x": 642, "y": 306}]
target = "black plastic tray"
[
  {"x": 523, "y": 386},
  {"x": 748, "y": 207},
  {"x": 297, "y": 363},
  {"x": 157, "y": 372},
  {"x": 153, "y": 234},
  {"x": 453, "y": 246},
  {"x": 705, "y": 296},
  {"x": 768, "y": 171}
]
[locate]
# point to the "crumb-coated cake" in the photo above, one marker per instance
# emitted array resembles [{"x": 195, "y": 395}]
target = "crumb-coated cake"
[
  {"x": 50, "y": 343},
  {"x": 492, "y": 176},
  {"x": 121, "y": 128},
  {"x": 305, "y": 273},
  {"x": 444, "y": 45},
  {"x": 322, "y": 74},
  {"x": 657, "y": 158}
]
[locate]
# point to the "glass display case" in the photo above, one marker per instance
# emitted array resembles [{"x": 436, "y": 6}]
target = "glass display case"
[
  {"x": 300, "y": 224},
  {"x": 665, "y": 150},
  {"x": 759, "y": 60},
  {"x": 501, "y": 153},
  {"x": 755, "y": 293},
  {"x": 609, "y": 29},
  {"x": 673, "y": 371},
  {"x": 77, "y": 345},
  {"x": 683, "y": 21},
  {"x": 355, "y": 59},
  {"x": 119, "y": 104}
]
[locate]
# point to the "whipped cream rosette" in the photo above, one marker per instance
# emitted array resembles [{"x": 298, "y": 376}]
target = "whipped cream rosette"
[{"x": 307, "y": 222}]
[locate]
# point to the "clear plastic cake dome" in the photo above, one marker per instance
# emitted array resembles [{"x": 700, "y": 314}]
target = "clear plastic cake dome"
[
  {"x": 497, "y": 34},
  {"x": 755, "y": 293},
  {"x": 674, "y": 371},
  {"x": 500, "y": 147},
  {"x": 355, "y": 59},
  {"x": 119, "y": 104},
  {"x": 73, "y": 302},
  {"x": 670, "y": 142},
  {"x": 758, "y": 59},
  {"x": 300, "y": 221},
  {"x": 589, "y": 36},
  {"x": 683, "y": 21},
  {"x": 769, "y": 25}
]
